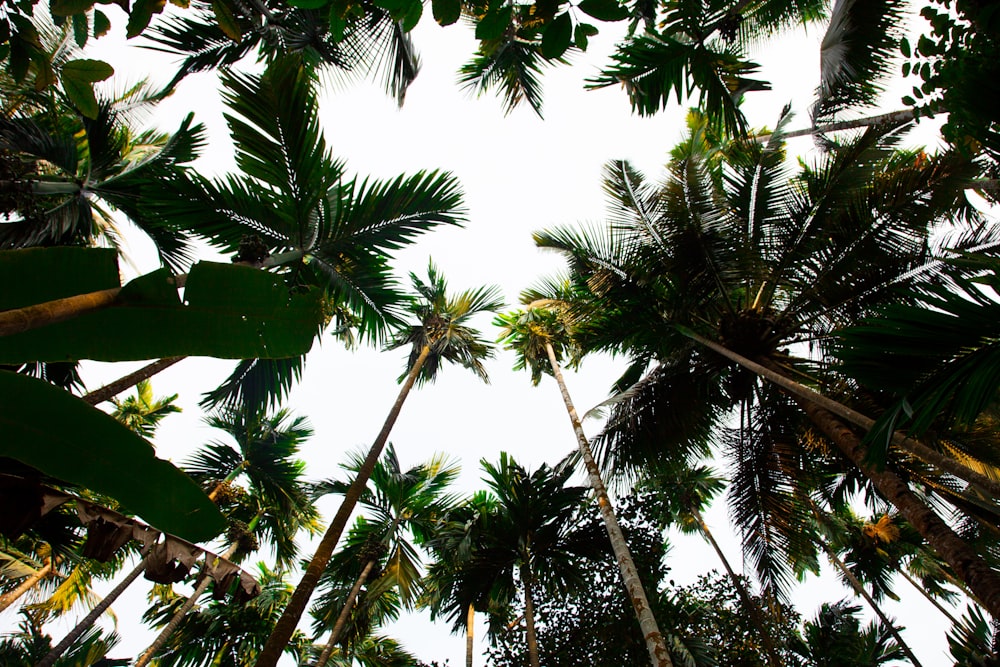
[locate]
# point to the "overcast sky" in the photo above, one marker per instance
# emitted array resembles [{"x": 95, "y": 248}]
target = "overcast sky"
[{"x": 520, "y": 174}]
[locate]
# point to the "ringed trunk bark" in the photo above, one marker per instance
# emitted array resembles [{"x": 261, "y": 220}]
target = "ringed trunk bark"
[
  {"x": 658, "y": 653},
  {"x": 529, "y": 616},
  {"x": 29, "y": 582},
  {"x": 18, "y": 320},
  {"x": 96, "y": 612},
  {"x": 338, "y": 627},
  {"x": 285, "y": 626}
]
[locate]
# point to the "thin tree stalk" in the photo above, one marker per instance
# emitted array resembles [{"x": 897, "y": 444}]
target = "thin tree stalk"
[
  {"x": 748, "y": 602},
  {"x": 470, "y": 621},
  {"x": 285, "y": 626},
  {"x": 969, "y": 566},
  {"x": 112, "y": 389},
  {"x": 863, "y": 592},
  {"x": 18, "y": 320},
  {"x": 658, "y": 653},
  {"x": 175, "y": 620},
  {"x": 900, "y": 116},
  {"x": 338, "y": 627},
  {"x": 529, "y": 614},
  {"x": 29, "y": 582},
  {"x": 918, "y": 449},
  {"x": 930, "y": 598},
  {"x": 96, "y": 612}
]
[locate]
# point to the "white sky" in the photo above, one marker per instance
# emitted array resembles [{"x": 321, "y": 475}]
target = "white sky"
[{"x": 520, "y": 174}]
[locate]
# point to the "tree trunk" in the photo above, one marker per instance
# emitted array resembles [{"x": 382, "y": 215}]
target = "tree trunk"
[
  {"x": 930, "y": 598},
  {"x": 112, "y": 389},
  {"x": 96, "y": 612},
  {"x": 29, "y": 582},
  {"x": 285, "y": 626},
  {"x": 915, "y": 447},
  {"x": 863, "y": 592},
  {"x": 18, "y": 320},
  {"x": 755, "y": 614},
  {"x": 338, "y": 627},
  {"x": 529, "y": 616},
  {"x": 964, "y": 561},
  {"x": 168, "y": 630},
  {"x": 658, "y": 654},
  {"x": 470, "y": 622},
  {"x": 900, "y": 116}
]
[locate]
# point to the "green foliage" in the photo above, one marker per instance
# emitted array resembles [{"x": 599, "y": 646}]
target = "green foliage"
[
  {"x": 228, "y": 311},
  {"x": 835, "y": 637},
  {"x": 64, "y": 437}
]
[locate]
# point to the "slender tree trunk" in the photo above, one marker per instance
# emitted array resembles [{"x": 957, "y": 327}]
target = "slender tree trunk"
[
  {"x": 930, "y": 598},
  {"x": 470, "y": 622},
  {"x": 285, "y": 626},
  {"x": 529, "y": 616},
  {"x": 338, "y": 627},
  {"x": 96, "y": 612},
  {"x": 751, "y": 606},
  {"x": 900, "y": 116},
  {"x": 112, "y": 389},
  {"x": 179, "y": 615},
  {"x": 18, "y": 320},
  {"x": 918, "y": 449},
  {"x": 863, "y": 592},
  {"x": 29, "y": 582},
  {"x": 658, "y": 654},
  {"x": 969, "y": 566}
]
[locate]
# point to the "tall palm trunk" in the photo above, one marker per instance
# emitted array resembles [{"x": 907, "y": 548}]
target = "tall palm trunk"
[
  {"x": 179, "y": 615},
  {"x": 915, "y": 447},
  {"x": 863, "y": 592},
  {"x": 112, "y": 389},
  {"x": 655, "y": 644},
  {"x": 338, "y": 627},
  {"x": 964, "y": 561},
  {"x": 470, "y": 621},
  {"x": 285, "y": 626},
  {"x": 930, "y": 598},
  {"x": 748, "y": 602},
  {"x": 96, "y": 612},
  {"x": 29, "y": 582},
  {"x": 529, "y": 615}
]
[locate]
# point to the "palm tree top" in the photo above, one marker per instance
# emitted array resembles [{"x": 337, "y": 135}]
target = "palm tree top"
[{"x": 441, "y": 323}]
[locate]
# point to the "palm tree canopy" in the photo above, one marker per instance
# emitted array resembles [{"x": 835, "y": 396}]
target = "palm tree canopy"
[{"x": 441, "y": 323}]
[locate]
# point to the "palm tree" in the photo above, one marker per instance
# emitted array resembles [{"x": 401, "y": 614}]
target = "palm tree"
[
  {"x": 440, "y": 333},
  {"x": 304, "y": 217},
  {"x": 682, "y": 492},
  {"x": 73, "y": 171},
  {"x": 733, "y": 247},
  {"x": 451, "y": 586},
  {"x": 538, "y": 330},
  {"x": 221, "y": 633},
  {"x": 399, "y": 504},
  {"x": 836, "y": 637},
  {"x": 531, "y": 537},
  {"x": 276, "y": 502},
  {"x": 142, "y": 413}
]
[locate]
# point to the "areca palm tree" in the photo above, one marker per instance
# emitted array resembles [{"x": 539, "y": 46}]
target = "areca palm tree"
[
  {"x": 440, "y": 332},
  {"x": 399, "y": 504},
  {"x": 538, "y": 330},
  {"x": 734, "y": 252},
  {"x": 453, "y": 587},
  {"x": 70, "y": 172},
  {"x": 302, "y": 215},
  {"x": 221, "y": 633},
  {"x": 531, "y": 537},
  {"x": 276, "y": 503}
]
